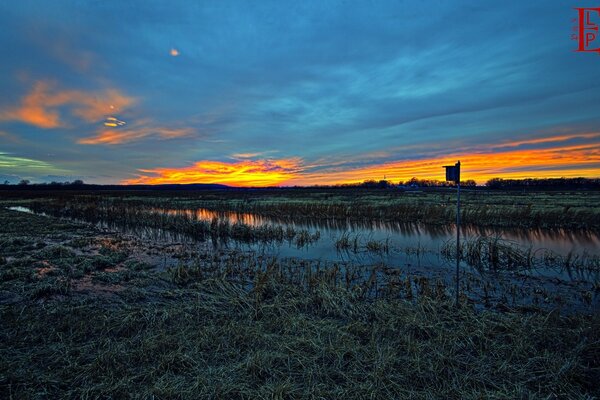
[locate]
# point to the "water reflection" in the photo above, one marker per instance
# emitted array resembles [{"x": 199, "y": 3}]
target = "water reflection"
[
  {"x": 414, "y": 250},
  {"x": 403, "y": 235}
]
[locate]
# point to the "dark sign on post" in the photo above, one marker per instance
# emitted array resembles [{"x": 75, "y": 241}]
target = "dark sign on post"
[{"x": 453, "y": 172}]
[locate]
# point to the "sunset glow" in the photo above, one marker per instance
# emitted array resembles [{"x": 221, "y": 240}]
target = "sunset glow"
[
  {"x": 573, "y": 161},
  {"x": 502, "y": 160},
  {"x": 242, "y": 173}
]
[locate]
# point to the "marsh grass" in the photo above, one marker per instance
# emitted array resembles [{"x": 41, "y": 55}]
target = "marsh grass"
[
  {"x": 523, "y": 209},
  {"x": 239, "y": 326},
  {"x": 105, "y": 210},
  {"x": 217, "y": 340},
  {"x": 495, "y": 253},
  {"x": 347, "y": 242}
]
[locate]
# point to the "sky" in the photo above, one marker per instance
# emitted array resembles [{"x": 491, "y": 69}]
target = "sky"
[{"x": 283, "y": 93}]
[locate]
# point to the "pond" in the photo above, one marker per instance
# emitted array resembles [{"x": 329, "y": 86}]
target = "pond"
[
  {"x": 403, "y": 239},
  {"x": 416, "y": 249}
]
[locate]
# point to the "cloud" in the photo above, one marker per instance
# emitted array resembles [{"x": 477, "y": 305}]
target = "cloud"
[
  {"x": 515, "y": 160},
  {"x": 550, "y": 139},
  {"x": 141, "y": 130},
  {"x": 42, "y": 106},
  {"x": 346, "y": 91},
  {"x": 240, "y": 173},
  {"x": 11, "y": 162},
  {"x": 562, "y": 159},
  {"x": 244, "y": 156}
]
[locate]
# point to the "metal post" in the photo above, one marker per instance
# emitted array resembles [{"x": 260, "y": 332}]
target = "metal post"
[
  {"x": 457, "y": 238},
  {"x": 453, "y": 174}
]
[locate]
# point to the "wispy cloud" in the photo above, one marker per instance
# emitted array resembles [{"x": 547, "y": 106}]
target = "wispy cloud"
[
  {"x": 252, "y": 155},
  {"x": 550, "y": 139},
  {"x": 12, "y": 163},
  {"x": 42, "y": 105},
  {"x": 138, "y": 131},
  {"x": 560, "y": 159}
]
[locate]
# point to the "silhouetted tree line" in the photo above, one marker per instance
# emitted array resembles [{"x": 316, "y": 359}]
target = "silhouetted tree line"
[
  {"x": 413, "y": 182},
  {"x": 494, "y": 183},
  {"x": 78, "y": 184},
  {"x": 544, "y": 183},
  {"x": 53, "y": 184},
  {"x": 435, "y": 183}
]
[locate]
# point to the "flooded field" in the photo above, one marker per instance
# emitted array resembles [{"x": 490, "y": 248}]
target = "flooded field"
[
  {"x": 401, "y": 238},
  {"x": 541, "y": 267},
  {"x": 141, "y": 286}
]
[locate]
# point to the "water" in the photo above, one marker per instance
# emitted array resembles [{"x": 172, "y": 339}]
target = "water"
[
  {"x": 408, "y": 243},
  {"x": 416, "y": 249},
  {"x": 404, "y": 236}
]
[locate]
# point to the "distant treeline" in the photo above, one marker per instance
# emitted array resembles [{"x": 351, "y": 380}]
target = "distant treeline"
[
  {"x": 413, "y": 182},
  {"x": 544, "y": 183},
  {"x": 494, "y": 183},
  {"x": 80, "y": 185}
]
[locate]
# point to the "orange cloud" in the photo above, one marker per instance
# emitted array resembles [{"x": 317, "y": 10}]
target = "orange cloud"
[
  {"x": 120, "y": 134},
  {"x": 93, "y": 108},
  {"x": 559, "y": 161},
  {"x": 41, "y": 106},
  {"x": 551, "y": 139},
  {"x": 240, "y": 173}
]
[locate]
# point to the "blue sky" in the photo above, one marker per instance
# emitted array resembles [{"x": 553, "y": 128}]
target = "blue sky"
[{"x": 325, "y": 91}]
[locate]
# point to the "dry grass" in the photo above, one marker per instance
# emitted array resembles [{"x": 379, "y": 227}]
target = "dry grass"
[
  {"x": 195, "y": 332},
  {"x": 219, "y": 341}
]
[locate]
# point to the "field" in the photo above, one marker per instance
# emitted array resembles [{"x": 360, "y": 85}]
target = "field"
[
  {"x": 517, "y": 208},
  {"x": 129, "y": 294}
]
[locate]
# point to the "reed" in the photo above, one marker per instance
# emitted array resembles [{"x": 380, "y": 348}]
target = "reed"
[
  {"x": 433, "y": 206},
  {"x": 109, "y": 212},
  {"x": 523, "y": 209},
  {"x": 353, "y": 243},
  {"x": 495, "y": 253}
]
